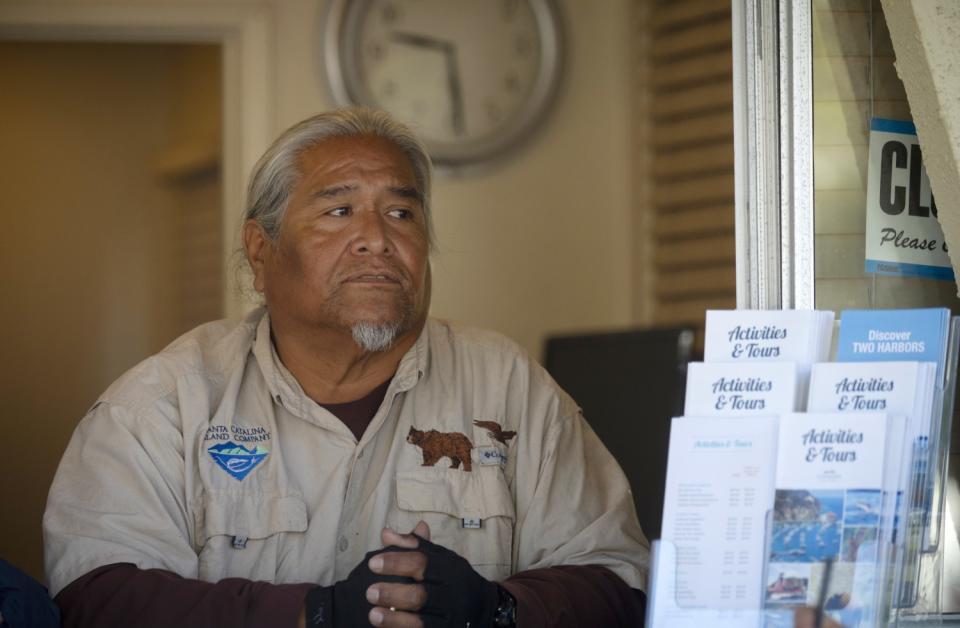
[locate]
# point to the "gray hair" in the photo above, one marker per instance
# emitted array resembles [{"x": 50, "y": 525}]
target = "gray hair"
[{"x": 277, "y": 173}]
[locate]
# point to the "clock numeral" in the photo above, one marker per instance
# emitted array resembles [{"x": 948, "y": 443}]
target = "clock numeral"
[
  {"x": 388, "y": 89},
  {"x": 494, "y": 112},
  {"x": 511, "y": 82},
  {"x": 522, "y": 45},
  {"x": 375, "y": 51},
  {"x": 389, "y": 14},
  {"x": 509, "y": 8}
]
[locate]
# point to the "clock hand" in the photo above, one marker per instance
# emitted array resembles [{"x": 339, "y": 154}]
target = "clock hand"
[
  {"x": 420, "y": 41},
  {"x": 453, "y": 73},
  {"x": 456, "y": 90}
]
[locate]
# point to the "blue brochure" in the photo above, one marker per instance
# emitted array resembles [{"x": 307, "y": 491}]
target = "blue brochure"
[{"x": 918, "y": 335}]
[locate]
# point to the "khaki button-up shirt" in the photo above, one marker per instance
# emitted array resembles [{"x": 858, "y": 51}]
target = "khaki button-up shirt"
[{"x": 208, "y": 460}]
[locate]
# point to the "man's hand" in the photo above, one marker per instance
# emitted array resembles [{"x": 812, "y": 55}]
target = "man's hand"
[
  {"x": 344, "y": 603},
  {"x": 806, "y": 617},
  {"x": 392, "y": 600},
  {"x": 446, "y": 590}
]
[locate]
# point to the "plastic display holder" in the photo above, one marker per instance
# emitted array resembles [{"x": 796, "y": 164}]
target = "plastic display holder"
[
  {"x": 947, "y": 391},
  {"x": 921, "y": 598},
  {"x": 852, "y": 591},
  {"x": 911, "y": 593},
  {"x": 665, "y": 611}
]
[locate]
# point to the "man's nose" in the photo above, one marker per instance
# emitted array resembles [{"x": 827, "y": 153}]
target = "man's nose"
[{"x": 372, "y": 236}]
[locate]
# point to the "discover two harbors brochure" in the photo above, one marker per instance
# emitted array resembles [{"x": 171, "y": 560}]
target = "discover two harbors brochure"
[{"x": 911, "y": 335}]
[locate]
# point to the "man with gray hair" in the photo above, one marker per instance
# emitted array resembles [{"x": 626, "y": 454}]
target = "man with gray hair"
[{"x": 338, "y": 458}]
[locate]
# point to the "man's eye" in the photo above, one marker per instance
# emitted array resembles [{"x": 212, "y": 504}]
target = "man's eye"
[
  {"x": 339, "y": 211},
  {"x": 402, "y": 214}
]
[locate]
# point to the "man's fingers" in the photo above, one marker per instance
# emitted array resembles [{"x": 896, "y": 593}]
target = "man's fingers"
[
  {"x": 806, "y": 617},
  {"x": 422, "y": 530},
  {"x": 391, "y": 537},
  {"x": 388, "y": 537},
  {"x": 380, "y": 616},
  {"x": 406, "y": 597},
  {"x": 410, "y": 564}
]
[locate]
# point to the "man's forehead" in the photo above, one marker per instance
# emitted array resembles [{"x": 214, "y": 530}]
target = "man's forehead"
[
  {"x": 353, "y": 161},
  {"x": 343, "y": 189}
]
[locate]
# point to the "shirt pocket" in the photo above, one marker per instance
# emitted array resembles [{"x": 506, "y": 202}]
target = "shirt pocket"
[
  {"x": 453, "y": 503},
  {"x": 248, "y": 536}
]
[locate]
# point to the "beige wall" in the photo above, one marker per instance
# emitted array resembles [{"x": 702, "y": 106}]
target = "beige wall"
[
  {"x": 91, "y": 253},
  {"x": 542, "y": 242}
]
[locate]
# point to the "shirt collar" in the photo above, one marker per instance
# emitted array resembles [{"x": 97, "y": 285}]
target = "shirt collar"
[{"x": 285, "y": 389}]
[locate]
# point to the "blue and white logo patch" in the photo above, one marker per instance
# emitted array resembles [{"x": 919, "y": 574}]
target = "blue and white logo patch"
[
  {"x": 491, "y": 456},
  {"x": 237, "y": 460}
]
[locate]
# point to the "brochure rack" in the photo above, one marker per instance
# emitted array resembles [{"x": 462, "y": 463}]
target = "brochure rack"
[
  {"x": 913, "y": 589},
  {"x": 921, "y": 574}
]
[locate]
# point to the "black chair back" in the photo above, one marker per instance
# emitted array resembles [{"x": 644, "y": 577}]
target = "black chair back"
[{"x": 629, "y": 384}]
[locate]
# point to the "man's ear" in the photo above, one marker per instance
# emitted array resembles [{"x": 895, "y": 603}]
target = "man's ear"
[{"x": 257, "y": 246}]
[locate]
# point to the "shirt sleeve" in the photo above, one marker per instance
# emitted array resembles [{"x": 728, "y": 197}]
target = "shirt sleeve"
[
  {"x": 120, "y": 496},
  {"x": 123, "y": 595},
  {"x": 581, "y": 511},
  {"x": 572, "y": 596}
]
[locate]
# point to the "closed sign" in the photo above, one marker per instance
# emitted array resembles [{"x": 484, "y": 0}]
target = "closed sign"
[{"x": 903, "y": 235}]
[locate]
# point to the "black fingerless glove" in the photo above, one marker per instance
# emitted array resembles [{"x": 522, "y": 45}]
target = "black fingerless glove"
[
  {"x": 457, "y": 596},
  {"x": 344, "y": 604}
]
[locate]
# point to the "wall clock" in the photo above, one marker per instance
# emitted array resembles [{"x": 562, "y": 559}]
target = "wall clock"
[{"x": 472, "y": 77}]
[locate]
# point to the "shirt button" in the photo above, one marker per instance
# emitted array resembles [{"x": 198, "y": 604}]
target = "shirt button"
[
  {"x": 360, "y": 455},
  {"x": 344, "y": 544}
]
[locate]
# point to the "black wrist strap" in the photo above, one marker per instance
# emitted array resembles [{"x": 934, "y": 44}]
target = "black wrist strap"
[
  {"x": 318, "y": 607},
  {"x": 506, "y": 614}
]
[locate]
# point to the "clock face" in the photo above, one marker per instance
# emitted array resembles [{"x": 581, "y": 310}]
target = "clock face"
[{"x": 471, "y": 77}]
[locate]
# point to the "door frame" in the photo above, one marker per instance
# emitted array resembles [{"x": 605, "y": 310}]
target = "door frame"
[{"x": 773, "y": 146}]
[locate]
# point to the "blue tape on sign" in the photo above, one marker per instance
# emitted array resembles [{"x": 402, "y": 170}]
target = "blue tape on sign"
[
  {"x": 904, "y": 127},
  {"x": 910, "y": 270}
]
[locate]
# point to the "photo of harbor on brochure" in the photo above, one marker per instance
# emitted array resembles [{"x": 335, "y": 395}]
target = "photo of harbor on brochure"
[{"x": 816, "y": 528}]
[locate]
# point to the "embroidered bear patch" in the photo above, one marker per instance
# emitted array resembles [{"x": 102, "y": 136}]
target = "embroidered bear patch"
[{"x": 436, "y": 445}]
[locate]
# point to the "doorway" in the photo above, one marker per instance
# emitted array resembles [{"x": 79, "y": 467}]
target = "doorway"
[{"x": 112, "y": 241}]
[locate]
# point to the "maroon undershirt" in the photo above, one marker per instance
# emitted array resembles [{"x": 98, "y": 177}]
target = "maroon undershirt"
[
  {"x": 123, "y": 595},
  {"x": 357, "y": 414}
]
